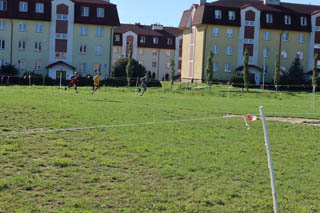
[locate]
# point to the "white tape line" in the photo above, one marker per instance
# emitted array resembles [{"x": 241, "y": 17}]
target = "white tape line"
[{"x": 106, "y": 127}]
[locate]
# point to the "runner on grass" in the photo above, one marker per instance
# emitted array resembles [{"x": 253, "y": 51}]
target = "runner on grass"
[
  {"x": 96, "y": 82},
  {"x": 74, "y": 81},
  {"x": 144, "y": 80}
]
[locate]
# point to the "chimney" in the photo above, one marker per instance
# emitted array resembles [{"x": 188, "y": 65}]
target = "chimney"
[
  {"x": 272, "y": 2},
  {"x": 202, "y": 2},
  {"x": 157, "y": 27}
]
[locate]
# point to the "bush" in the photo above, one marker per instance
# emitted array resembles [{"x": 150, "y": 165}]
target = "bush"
[
  {"x": 119, "y": 69},
  {"x": 9, "y": 70},
  {"x": 238, "y": 80},
  {"x": 122, "y": 82}
]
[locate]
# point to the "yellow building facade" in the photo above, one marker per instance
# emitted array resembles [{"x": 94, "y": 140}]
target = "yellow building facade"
[{"x": 227, "y": 28}]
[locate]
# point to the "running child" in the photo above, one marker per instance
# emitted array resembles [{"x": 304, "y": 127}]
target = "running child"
[
  {"x": 144, "y": 80},
  {"x": 74, "y": 81},
  {"x": 96, "y": 82}
]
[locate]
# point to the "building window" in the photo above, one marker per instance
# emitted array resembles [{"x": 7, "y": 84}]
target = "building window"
[
  {"x": 154, "y": 53},
  {"x": 215, "y": 67},
  {"x": 285, "y": 37},
  {"x": 155, "y": 40},
  {"x": 21, "y": 64},
  {"x": 100, "y": 12},
  {"x": 61, "y": 55},
  {"x": 267, "y": 36},
  {"x": 283, "y": 70},
  {"x": 266, "y": 52},
  {"x": 85, "y": 11},
  {"x": 117, "y": 38},
  {"x": 249, "y": 23},
  {"x": 229, "y": 33},
  {"x": 2, "y": 62},
  {"x": 98, "y": 50},
  {"x": 23, "y": 6},
  {"x": 232, "y": 15},
  {"x": 2, "y": 44},
  {"x": 97, "y": 67},
  {"x": 21, "y": 45},
  {"x": 143, "y": 39},
  {"x": 227, "y": 68},
  {"x": 2, "y": 25},
  {"x": 62, "y": 17},
  {"x": 303, "y": 21},
  {"x": 37, "y": 46},
  {"x": 154, "y": 64},
  {"x": 3, "y": 5},
  {"x": 287, "y": 20},
  {"x": 300, "y": 54},
  {"x": 248, "y": 41},
  {"x": 216, "y": 32},
  {"x": 269, "y": 18},
  {"x": 99, "y": 31},
  {"x": 82, "y": 67},
  {"x": 217, "y": 14},
  {"x": 83, "y": 30},
  {"x": 61, "y": 36},
  {"x": 39, "y": 8},
  {"x": 22, "y": 27},
  {"x": 37, "y": 65},
  {"x": 83, "y": 49},
  {"x": 215, "y": 49},
  {"x": 169, "y": 41},
  {"x": 228, "y": 50},
  {"x": 284, "y": 54},
  {"x": 38, "y": 28},
  {"x": 265, "y": 69},
  {"x": 301, "y": 38}
]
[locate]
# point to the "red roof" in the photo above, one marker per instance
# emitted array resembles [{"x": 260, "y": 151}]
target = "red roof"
[
  {"x": 60, "y": 63},
  {"x": 147, "y": 30},
  {"x": 93, "y": 2}
]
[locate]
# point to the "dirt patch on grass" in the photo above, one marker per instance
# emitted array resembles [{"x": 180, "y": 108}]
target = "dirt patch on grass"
[{"x": 306, "y": 121}]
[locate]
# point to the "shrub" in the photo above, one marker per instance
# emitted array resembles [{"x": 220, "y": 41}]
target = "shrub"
[{"x": 238, "y": 80}]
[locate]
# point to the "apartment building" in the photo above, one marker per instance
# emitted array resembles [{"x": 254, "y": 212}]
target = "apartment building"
[
  {"x": 266, "y": 28},
  {"x": 153, "y": 46},
  {"x": 58, "y": 37}
]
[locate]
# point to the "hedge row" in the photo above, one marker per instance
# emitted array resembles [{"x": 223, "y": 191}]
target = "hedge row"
[{"x": 82, "y": 81}]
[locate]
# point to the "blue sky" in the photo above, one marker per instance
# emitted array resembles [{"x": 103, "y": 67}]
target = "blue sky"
[{"x": 166, "y": 12}]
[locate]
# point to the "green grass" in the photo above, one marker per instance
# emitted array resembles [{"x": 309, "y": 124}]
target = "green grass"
[{"x": 198, "y": 166}]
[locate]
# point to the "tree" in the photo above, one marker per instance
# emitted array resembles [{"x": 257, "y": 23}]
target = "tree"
[
  {"x": 172, "y": 70},
  {"x": 129, "y": 67},
  {"x": 296, "y": 74},
  {"x": 209, "y": 69},
  {"x": 277, "y": 74},
  {"x": 315, "y": 73},
  {"x": 246, "y": 70},
  {"x": 119, "y": 68},
  {"x": 9, "y": 70}
]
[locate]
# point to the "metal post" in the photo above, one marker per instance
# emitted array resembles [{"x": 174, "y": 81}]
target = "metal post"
[
  {"x": 29, "y": 76},
  {"x": 60, "y": 81},
  {"x": 264, "y": 71},
  {"x": 135, "y": 93},
  {"x": 273, "y": 182}
]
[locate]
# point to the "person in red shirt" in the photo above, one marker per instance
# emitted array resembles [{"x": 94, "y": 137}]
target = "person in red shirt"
[{"x": 73, "y": 83}]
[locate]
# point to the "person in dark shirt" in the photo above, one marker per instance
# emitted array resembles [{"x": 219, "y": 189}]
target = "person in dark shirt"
[{"x": 73, "y": 83}]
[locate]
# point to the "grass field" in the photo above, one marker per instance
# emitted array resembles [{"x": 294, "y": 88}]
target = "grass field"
[{"x": 205, "y": 165}]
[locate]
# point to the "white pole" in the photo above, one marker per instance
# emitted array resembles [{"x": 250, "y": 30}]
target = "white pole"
[
  {"x": 60, "y": 81},
  {"x": 264, "y": 65},
  {"x": 273, "y": 182},
  {"x": 135, "y": 93}
]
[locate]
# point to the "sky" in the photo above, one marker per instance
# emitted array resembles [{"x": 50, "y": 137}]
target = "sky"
[{"x": 165, "y": 12}]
